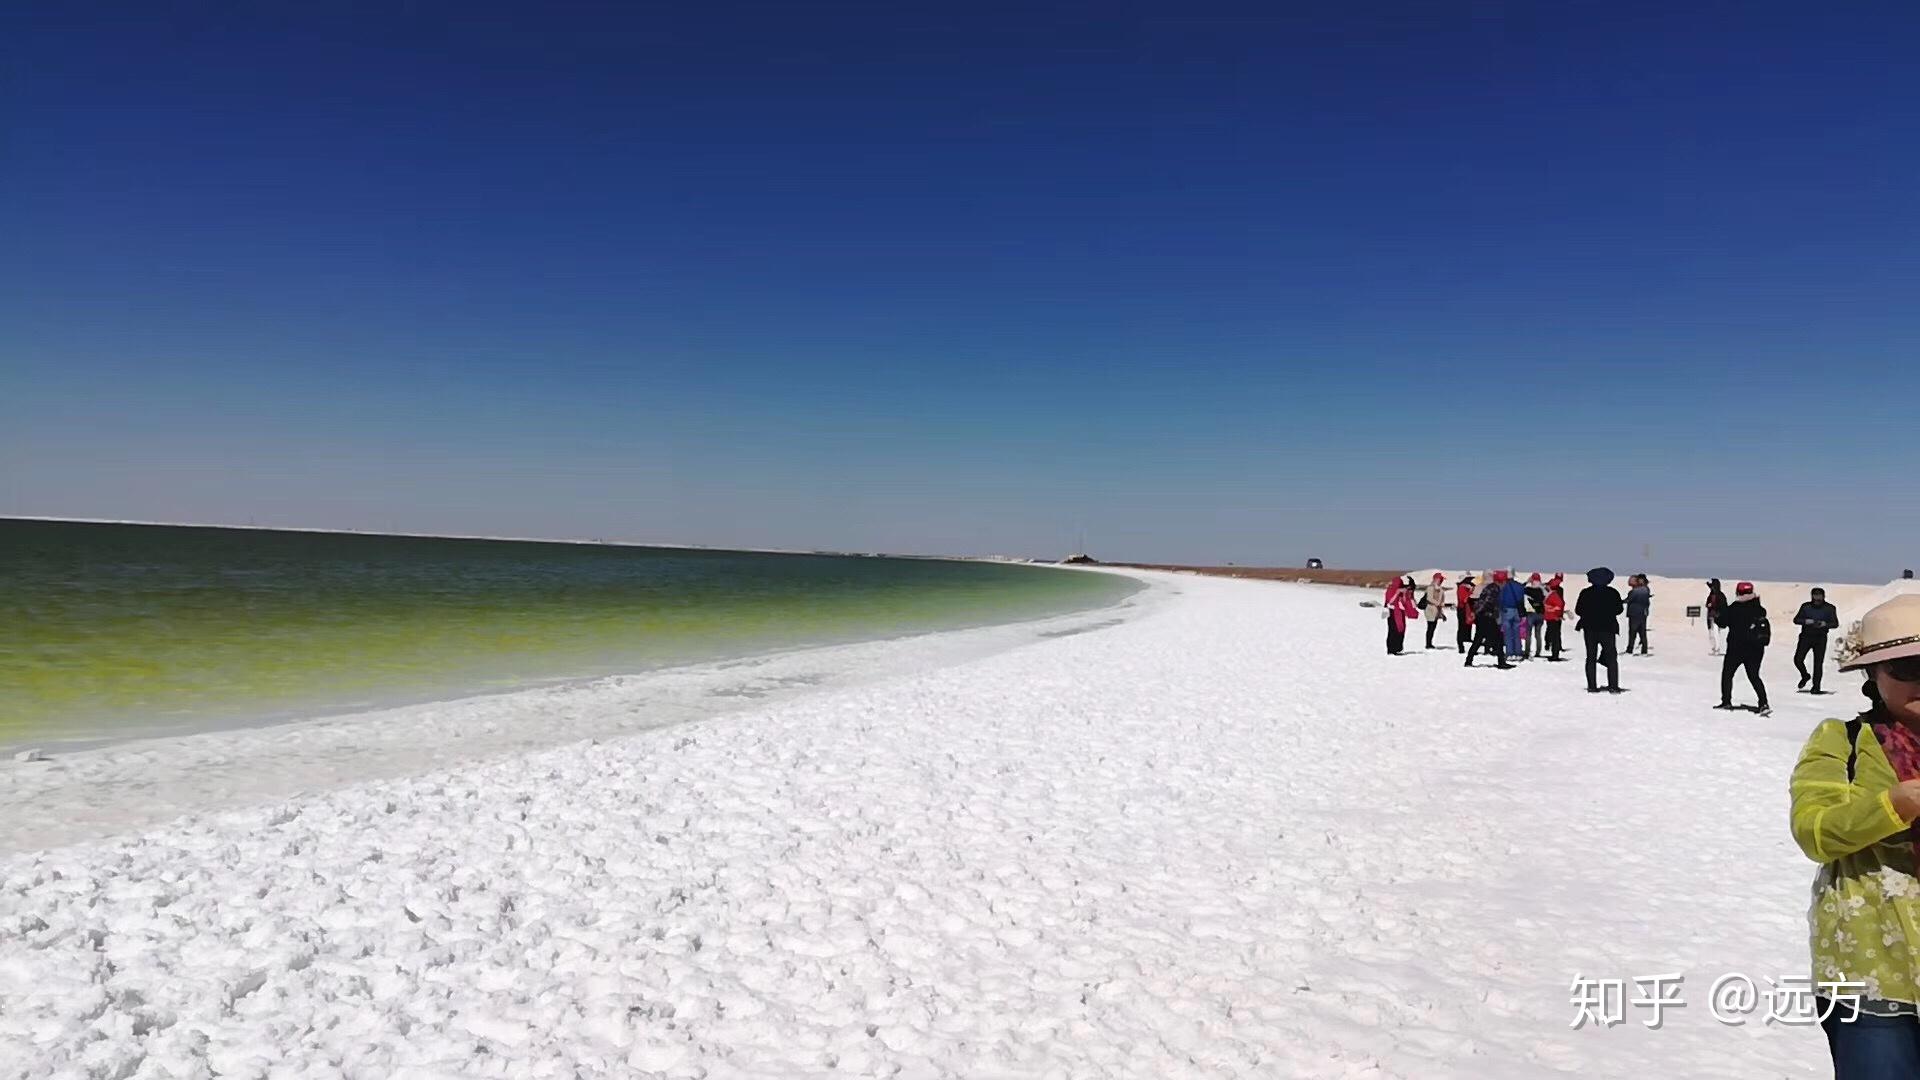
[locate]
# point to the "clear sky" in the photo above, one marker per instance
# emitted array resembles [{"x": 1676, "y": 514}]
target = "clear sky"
[{"x": 1387, "y": 284}]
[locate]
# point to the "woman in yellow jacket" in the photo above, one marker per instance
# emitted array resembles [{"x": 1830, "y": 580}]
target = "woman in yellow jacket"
[{"x": 1856, "y": 794}]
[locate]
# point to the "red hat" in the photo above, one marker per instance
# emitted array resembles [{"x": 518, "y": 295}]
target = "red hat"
[
  {"x": 1534, "y": 580},
  {"x": 1438, "y": 578},
  {"x": 1743, "y": 588}
]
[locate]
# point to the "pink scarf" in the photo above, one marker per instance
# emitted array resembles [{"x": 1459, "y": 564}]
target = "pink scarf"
[{"x": 1902, "y": 747}]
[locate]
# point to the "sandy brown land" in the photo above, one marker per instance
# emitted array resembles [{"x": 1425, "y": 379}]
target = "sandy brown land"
[{"x": 1376, "y": 579}]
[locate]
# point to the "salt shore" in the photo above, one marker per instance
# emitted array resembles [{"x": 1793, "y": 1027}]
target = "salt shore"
[
  {"x": 87, "y": 792},
  {"x": 1225, "y": 836}
]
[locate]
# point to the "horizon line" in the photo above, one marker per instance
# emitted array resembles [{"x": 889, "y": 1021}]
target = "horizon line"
[
  {"x": 672, "y": 546},
  {"x": 580, "y": 541}
]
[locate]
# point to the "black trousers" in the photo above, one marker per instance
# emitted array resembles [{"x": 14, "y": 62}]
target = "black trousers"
[
  {"x": 1601, "y": 653},
  {"x": 1431, "y": 625},
  {"x": 1816, "y": 645},
  {"x": 1637, "y": 631},
  {"x": 1463, "y": 633},
  {"x": 1553, "y": 638},
  {"x": 1488, "y": 638},
  {"x": 1745, "y": 656},
  {"x": 1396, "y": 636}
]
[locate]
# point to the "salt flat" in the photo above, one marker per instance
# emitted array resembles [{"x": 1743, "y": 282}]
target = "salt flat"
[{"x": 1225, "y": 837}]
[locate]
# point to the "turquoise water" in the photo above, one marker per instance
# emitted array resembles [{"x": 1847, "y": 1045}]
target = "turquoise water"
[{"x": 119, "y": 628}]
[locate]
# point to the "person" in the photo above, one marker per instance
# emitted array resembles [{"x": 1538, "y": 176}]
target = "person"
[
  {"x": 1597, "y": 617},
  {"x": 1716, "y": 603},
  {"x": 1435, "y": 603},
  {"x": 1463, "y": 613},
  {"x": 1855, "y": 794},
  {"x": 1556, "y": 611},
  {"x": 1748, "y": 634},
  {"x": 1639, "y": 605},
  {"x": 1488, "y": 635},
  {"x": 1400, "y": 611},
  {"x": 1816, "y": 619},
  {"x": 1536, "y": 615},
  {"x": 1513, "y": 600}
]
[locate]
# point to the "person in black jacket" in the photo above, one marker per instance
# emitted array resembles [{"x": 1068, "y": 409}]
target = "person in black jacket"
[
  {"x": 1486, "y": 626},
  {"x": 1639, "y": 606},
  {"x": 1598, "y": 614},
  {"x": 1748, "y": 634},
  {"x": 1817, "y": 618},
  {"x": 1536, "y": 611},
  {"x": 1716, "y": 603}
]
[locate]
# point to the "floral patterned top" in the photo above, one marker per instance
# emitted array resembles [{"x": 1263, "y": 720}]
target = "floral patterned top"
[{"x": 1865, "y": 915}]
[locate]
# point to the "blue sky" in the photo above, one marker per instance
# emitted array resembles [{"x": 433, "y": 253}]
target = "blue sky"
[{"x": 1383, "y": 283}]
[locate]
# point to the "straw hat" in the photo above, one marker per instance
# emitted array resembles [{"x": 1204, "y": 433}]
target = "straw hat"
[{"x": 1888, "y": 632}]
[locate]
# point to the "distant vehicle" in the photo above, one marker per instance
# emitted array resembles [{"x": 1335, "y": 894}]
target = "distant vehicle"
[{"x": 1316, "y": 564}]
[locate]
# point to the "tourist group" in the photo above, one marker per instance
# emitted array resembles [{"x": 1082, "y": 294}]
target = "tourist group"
[{"x": 1513, "y": 622}]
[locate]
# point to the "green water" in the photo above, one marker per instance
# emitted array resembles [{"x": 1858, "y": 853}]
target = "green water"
[{"x": 118, "y": 629}]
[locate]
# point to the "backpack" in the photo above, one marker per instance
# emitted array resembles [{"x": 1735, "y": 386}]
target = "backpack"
[{"x": 1762, "y": 632}]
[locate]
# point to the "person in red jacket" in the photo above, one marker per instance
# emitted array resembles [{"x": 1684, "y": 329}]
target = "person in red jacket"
[
  {"x": 1400, "y": 611},
  {"x": 1556, "y": 611},
  {"x": 1463, "y": 612}
]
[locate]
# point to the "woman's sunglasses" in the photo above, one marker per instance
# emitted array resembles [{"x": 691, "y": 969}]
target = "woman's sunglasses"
[{"x": 1906, "y": 669}]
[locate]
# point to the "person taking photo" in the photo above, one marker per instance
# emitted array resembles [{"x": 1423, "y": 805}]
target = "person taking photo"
[{"x": 1816, "y": 620}]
